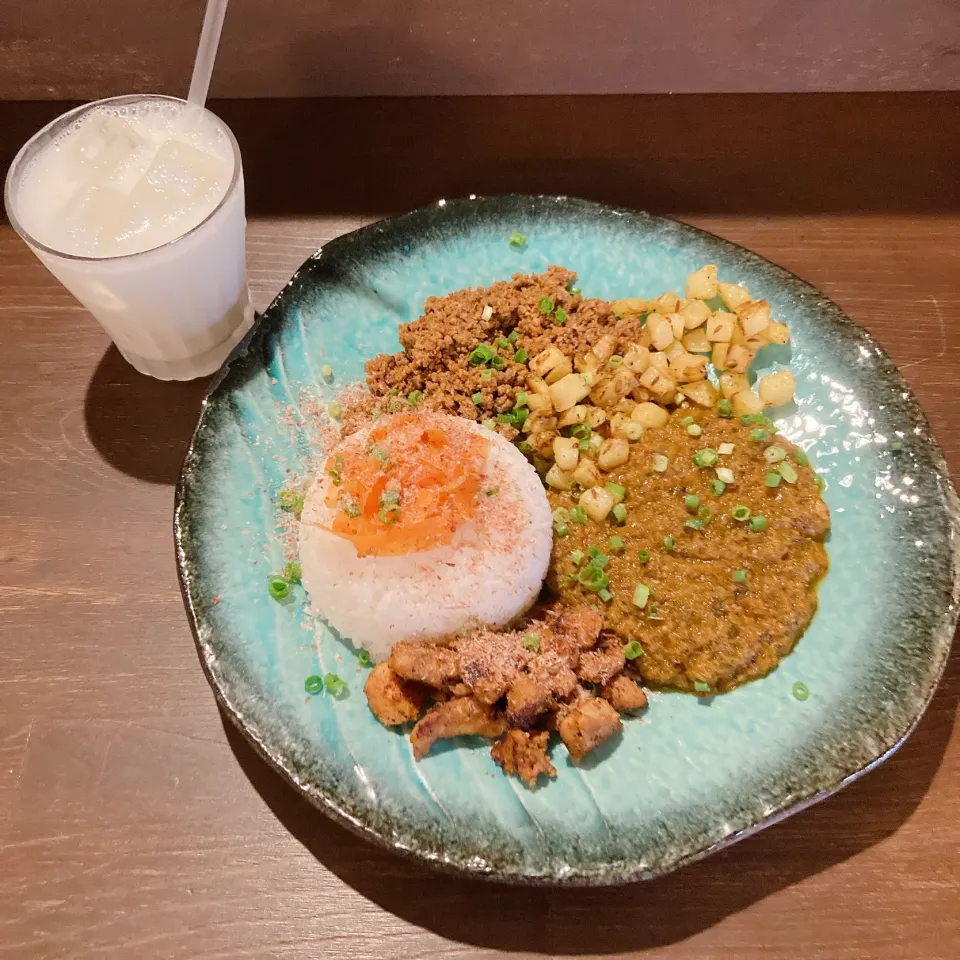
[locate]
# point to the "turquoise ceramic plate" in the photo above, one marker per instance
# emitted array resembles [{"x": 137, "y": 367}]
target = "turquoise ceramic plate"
[{"x": 694, "y": 775}]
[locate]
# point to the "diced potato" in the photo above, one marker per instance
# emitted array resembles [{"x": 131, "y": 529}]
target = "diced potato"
[
  {"x": 609, "y": 390},
  {"x": 644, "y": 339},
  {"x": 659, "y": 362},
  {"x": 746, "y": 401},
  {"x": 689, "y": 367},
  {"x": 754, "y": 316},
  {"x": 559, "y": 479},
  {"x": 667, "y": 302},
  {"x": 777, "y": 332},
  {"x": 575, "y": 415},
  {"x": 757, "y": 343},
  {"x": 626, "y": 405},
  {"x": 615, "y": 452},
  {"x": 658, "y": 384},
  {"x": 703, "y": 393},
  {"x": 597, "y": 502},
  {"x": 739, "y": 359},
  {"x": 587, "y": 474},
  {"x": 677, "y": 324},
  {"x": 587, "y": 363},
  {"x": 776, "y": 389},
  {"x": 640, "y": 395},
  {"x": 532, "y": 422},
  {"x": 546, "y": 360},
  {"x": 696, "y": 341},
  {"x": 561, "y": 370},
  {"x": 732, "y": 295},
  {"x": 630, "y": 307},
  {"x": 661, "y": 331},
  {"x": 622, "y": 426},
  {"x": 568, "y": 391},
  {"x": 637, "y": 359},
  {"x": 739, "y": 338},
  {"x": 720, "y": 327},
  {"x": 650, "y": 415},
  {"x": 595, "y": 417},
  {"x": 719, "y": 356},
  {"x": 566, "y": 453},
  {"x": 604, "y": 348},
  {"x": 702, "y": 283},
  {"x": 539, "y": 387},
  {"x": 536, "y": 403},
  {"x": 732, "y": 383},
  {"x": 594, "y": 445},
  {"x": 695, "y": 314},
  {"x": 674, "y": 350},
  {"x": 542, "y": 443}
]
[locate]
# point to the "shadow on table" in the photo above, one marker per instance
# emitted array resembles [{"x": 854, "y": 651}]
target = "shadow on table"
[
  {"x": 139, "y": 425},
  {"x": 653, "y": 914}
]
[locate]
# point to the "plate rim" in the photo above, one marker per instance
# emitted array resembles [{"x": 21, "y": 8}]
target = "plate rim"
[{"x": 326, "y": 801}]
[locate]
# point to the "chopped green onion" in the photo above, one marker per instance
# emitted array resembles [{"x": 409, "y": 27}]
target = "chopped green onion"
[
  {"x": 772, "y": 479},
  {"x": 739, "y": 576},
  {"x": 521, "y": 398},
  {"x": 800, "y": 458},
  {"x": 503, "y": 343},
  {"x": 759, "y": 435},
  {"x": 800, "y": 690},
  {"x": 725, "y": 449},
  {"x": 477, "y": 397},
  {"x": 705, "y": 457},
  {"x": 520, "y": 415},
  {"x": 597, "y": 558},
  {"x": 278, "y": 587},
  {"x": 619, "y": 513},
  {"x": 577, "y": 557},
  {"x": 615, "y": 361},
  {"x": 686, "y": 421},
  {"x": 618, "y": 492},
  {"x": 498, "y": 363},
  {"x": 335, "y": 410},
  {"x": 575, "y": 291},
  {"x": 313, "y": 685},
  {"x": 615, "y": 543},
  {"x": 691, "y": 502},
  {"x": 492, "y": 492},
  {"x": 740, "y": 513},
  {"x": 326, "y": 371},
  {"x": 581, "y": 431},
  {"x": 486, "y": 374},
  {"x": 293, "y": 572},
  {"x": 513, "y": 336},
  {"x": 489, "y": 424},
  {"x": 481, "y": 354},
  {"x": 560, "y": 317},
  {"x": 774, "y": 454},
  {"x": 605, "y": 595},
  {"x": 820, "y": 482},
  {"x": 788, "y": 473},
  {"x": 717, "y": 487},
  {"x": 632, "y": 650},
  {"x": 291, "y": 501},
  {"x": 641, "y": 594},
  {"x": 517, "y": 240},
  {"x": 705, "y": 515},
  {"x": 694, "y": 429},
  {"x": 587, "y": 378},
  {"x": 896, "y": 446},
  {"x": 583, "y": 445},
  {"x": 415, "y": 398},
  {"x": 363, "y": 658},
  {"x": 660, "y": 463},
  {"x": 652, "y": 615},
  {"x": 545, "y": 305},
  {"x": 520, "y": 356},
  {"x": 593, "y": 578},
  {"x": 531, "y": 642},
  {"x": 643, "y": 556},
  {"x": 594, "y": 552},
  {"x": 578, "y": 514},
  {"x": 335, "y": 686},
  {"x": 693, "y": 524},
  {"x": 724, "y": 409},
  {"x": 701, "y": 687},
  {"x": 758, "y": 523},
  {"x": 524, "y": 446},
  {"x": 669, "y": 544},
  {"x": 560, "y": 529}
]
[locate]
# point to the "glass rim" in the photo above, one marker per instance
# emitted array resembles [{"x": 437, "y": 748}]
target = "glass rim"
[{"x": 13, "y": 176}]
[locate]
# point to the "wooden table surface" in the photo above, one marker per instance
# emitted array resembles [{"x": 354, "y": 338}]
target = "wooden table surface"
[{"x": 135, "y": 823}]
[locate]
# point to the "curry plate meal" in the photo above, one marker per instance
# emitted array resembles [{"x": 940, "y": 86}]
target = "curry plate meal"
[{"x": 545, "y": 505}]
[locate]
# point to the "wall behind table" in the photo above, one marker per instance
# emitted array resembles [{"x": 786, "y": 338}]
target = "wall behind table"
[{"x": 82, "y": 49}]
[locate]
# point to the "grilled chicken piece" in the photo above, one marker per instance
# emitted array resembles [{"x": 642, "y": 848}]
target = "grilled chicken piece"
[
  {"x": 524, "y": 755},
  {"x": 431, "y": 663},
  {"x": 603, "y": 664},
  {"x": 535, "y": 692},
  {"x": 579, "y": 626},
  {"x": 392, "y": 699},
  {"x": 491, "y": 662},
  {"x": 463, "y": 716},
  {"x": 625, "y": 694},
  {"x": 586, "y": 726}
]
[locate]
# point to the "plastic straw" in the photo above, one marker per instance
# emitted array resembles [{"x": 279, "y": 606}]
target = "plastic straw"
[{"x": 206, "y": 52}]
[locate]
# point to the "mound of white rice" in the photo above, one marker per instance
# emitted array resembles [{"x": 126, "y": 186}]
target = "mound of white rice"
[{"x": 490, "y": 573}]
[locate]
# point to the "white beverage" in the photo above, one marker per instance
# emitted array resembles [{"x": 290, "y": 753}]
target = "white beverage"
[{"x": 135, "y": 205}]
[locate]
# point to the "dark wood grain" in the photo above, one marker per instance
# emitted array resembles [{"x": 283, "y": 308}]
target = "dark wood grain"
[{"x": 133, "y": 824}]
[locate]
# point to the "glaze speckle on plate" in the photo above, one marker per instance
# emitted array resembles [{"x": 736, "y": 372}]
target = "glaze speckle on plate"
[{"x": 695, "y": 775}]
